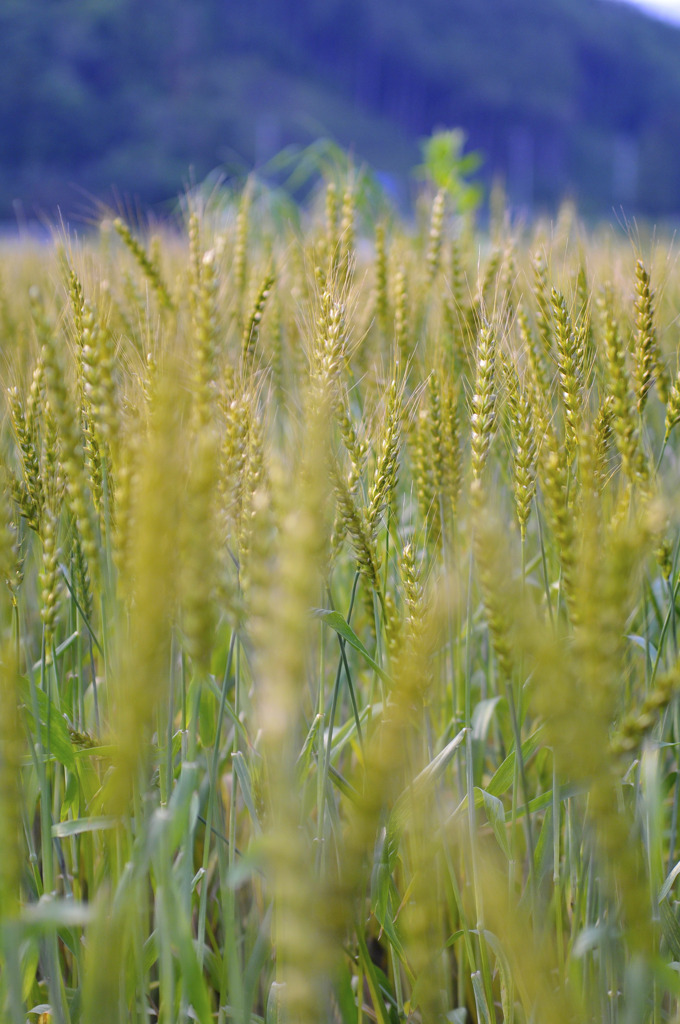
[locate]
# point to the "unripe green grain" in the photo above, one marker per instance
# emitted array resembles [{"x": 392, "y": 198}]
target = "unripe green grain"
[
  {"x": 142, "y": 674},
  {"x": 414, "y": 595},
  {"x": 237, "y": 413},
  {"x": 206, "y": 327},
  {"x": 542, "y": 296},
  {"x": 452, "y": 468},
  {"x": 70, "y": 445},
  {"x": 672, "y": 408},
  {"x": 402, "y": 334},
  {"x": 382, "y": 308},
  {"x": 499, "y": 593},
  {"x": 604, "y": 436},
  {"x": 507, "y": 280},
  {"x": 434, "y": 391},
  {"x": 639, "y": 722},
  {"x": 357, "y": 448},
  {"x": 421, "y": 464},
  {"x": 240, "y": 270},
  {"x": 146, "y": 264},
  {"x": 569, "y": 361},
  {"x": 81, "y": 578},
  {"x": 331, "y": 242},
  {"x": 198, "y": 545},
  {"x": 554, "y": 480},
  {"x": 524, "y": 450},
  {"x": 434, "y": 245},
  {"x": 356, "y": 525},
  {"x": 329, "y": 349},
  {"x": 347, "y": 234},
  {"x": 457, "y": 276},
  {"x": 532, "y": 352},
  {"x": 195, "y": 256},
  {"x": 50, "y": 581},
  {"x": 36, "y": 396},
  {"x": 306, "y": 924},
  {"x": 256, "y": 501},
  {"x": 100, "y": 420},
  {"x": 483, "y": 401},
  {"x": 645, "y": 346},
  {"x": 32, "y": 493},
  {"x": 624, "y": 422},
  {"x": 251, "y": 331},
  {"x": 77, "y": 301},
  {"x": 487, "y": 293},
  {"x": 583, "y": 328},
  {"x": 387, "y": 463}
]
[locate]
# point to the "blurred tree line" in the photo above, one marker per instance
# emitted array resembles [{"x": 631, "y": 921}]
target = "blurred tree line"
[{"x": 577, "y": 97}]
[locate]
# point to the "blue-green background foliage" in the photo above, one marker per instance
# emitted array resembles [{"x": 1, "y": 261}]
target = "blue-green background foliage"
[{"x": 564, "y": 97}]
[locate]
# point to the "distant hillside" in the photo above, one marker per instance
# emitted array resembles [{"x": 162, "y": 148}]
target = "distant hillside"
[{"x": 562, "y": 96}]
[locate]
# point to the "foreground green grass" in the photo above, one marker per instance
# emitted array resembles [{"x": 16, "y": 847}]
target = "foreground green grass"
[{"x": 339, "y": 639}]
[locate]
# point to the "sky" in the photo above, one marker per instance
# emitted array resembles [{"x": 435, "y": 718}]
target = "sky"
[{"x": 669, "y": 9}]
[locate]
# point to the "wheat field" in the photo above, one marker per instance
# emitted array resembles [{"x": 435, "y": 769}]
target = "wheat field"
[{"x": 339, "y": 630}]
